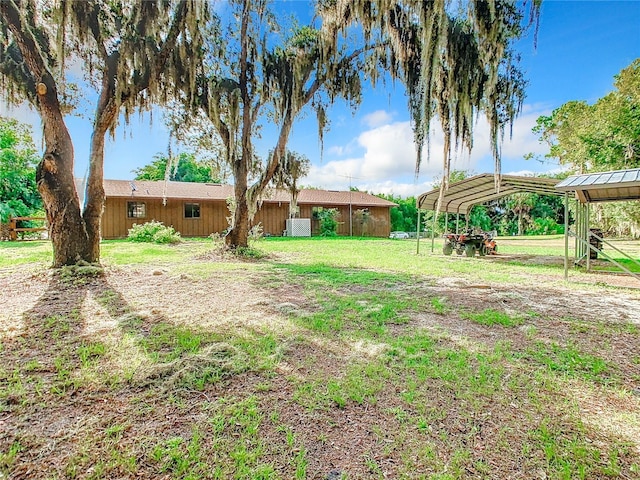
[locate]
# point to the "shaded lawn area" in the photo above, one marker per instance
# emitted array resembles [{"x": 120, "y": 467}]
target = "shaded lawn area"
[{"x": 345, "y": 358}]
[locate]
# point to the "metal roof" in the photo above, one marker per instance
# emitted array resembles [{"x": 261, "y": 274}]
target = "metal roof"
[
  {"x": 604, "y": 186},
  {"x": 463, "y": 195}
]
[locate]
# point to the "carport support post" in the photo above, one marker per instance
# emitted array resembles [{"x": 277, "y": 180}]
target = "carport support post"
[
  {"x": 418, "y": 234},
  {"x": 457, "y": 221},
  {"x": 578, "y": 227},
  {"x": 566, "y": 236},
  {"x": 587, "y": 236},
  {"x": 433, "y": 230}
]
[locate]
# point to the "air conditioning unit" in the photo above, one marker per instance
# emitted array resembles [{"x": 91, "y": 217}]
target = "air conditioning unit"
[{"x": 298, "y": 227}]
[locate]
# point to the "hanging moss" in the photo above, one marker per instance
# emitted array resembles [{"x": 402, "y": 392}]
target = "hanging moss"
[{"x": 454, "y": 62}]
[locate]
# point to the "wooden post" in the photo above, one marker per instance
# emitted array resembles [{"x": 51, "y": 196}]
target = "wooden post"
[
  {"x": 587, "y": 236},
  {"x": 13, "y": 227},
  {"x": 13, "y": 236},
  {"x": 433, "y": 230}
]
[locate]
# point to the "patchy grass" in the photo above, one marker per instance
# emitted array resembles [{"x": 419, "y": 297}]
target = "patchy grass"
[
  {"x": 569, "y": 360},
  {"x": 491, "y": 317},
  {"x": 13, "y": 254},
  {"x": 333, "y": 358}
]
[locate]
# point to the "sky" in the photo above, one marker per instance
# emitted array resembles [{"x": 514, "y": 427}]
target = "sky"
[{"x": 581, "y": 45}]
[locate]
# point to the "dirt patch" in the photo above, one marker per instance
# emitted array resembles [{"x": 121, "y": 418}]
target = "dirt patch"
[
  {"x": 604, "y": 325},
  {"x": 73, "y": 426},
  {"x": 603, "y": 273}
]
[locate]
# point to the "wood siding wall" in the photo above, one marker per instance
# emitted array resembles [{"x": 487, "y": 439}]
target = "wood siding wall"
[
  {"x": 115, "y": 223},
  {"x": 366, "y": 222},
  {"x": 273, "y": 216}
]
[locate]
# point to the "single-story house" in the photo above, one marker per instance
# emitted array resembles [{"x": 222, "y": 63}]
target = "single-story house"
[{"x": 200, "y": 209}]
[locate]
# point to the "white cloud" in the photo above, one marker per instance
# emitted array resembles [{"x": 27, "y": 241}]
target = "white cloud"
[
  {"x": 388, "y": 152},
  {"x": 514, "y": 147},
  {"x": 377, "y": 118},
  {"x": 397, "y": 188},
  {"x": 531, "y": 173},
  {"x": 337, "y": 150},
  {"x": 387, "y": 162},
  {"x": 341, "y": 150}
]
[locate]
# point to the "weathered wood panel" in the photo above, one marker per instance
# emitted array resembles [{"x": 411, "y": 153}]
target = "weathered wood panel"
[
  {"x": 366, "y": 221},
  {"x": 116, "y": 224},
  {"x": 273, "y": 217}
]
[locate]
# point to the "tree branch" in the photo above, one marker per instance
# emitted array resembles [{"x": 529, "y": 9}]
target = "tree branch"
[{"x": 31, "y": 52}]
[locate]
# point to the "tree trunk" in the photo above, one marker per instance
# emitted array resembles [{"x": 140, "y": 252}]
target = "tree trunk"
[
  {"x": 94, "y": 196},
  {"x": 238, "y": 237},
  {"x": 106, "y": 114},
  {"x": 54, "y": 174},
  {"x": 57, "y": 187},
  {"x": 520, "y": 224},
  {"x": 239, "y": 234}
]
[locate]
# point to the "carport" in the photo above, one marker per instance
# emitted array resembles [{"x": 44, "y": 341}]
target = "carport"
[
  {"x": 614, "y": 186},
  {"x": 461, "y": 196},
  {"x": 619, "y": 185}
]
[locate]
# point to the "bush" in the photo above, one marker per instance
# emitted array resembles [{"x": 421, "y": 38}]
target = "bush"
[
  {"x": 328, "y": 222},
  {"x": 545, "y": 226},
  {"x": 245, "y": 253},
  {"x": 153, "y": 232}
]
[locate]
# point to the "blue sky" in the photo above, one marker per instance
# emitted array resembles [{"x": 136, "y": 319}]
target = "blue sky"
[{"x": 581, "y": 46}]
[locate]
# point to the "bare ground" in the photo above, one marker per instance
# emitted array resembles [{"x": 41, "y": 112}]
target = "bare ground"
[{"x": 62, "y": 433}]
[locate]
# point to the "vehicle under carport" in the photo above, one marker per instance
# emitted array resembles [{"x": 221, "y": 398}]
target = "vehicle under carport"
[
  {"x": 611, "y": 186},
  {"x": 461, "y": 196}
]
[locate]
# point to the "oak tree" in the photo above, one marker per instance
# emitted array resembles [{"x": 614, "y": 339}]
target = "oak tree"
[
  {"x": 454, "y": 63},
  {"x": 134, "y": 53},
  {"x": 291, "y": 169},
  {"x": 184, "y": 167},
  {"x": 598, "y": 137}
]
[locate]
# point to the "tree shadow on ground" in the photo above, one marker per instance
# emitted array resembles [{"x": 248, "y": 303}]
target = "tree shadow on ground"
[
  {"x": 80, "y": 315},
  {"x": 85, "y": 361},
  {"x": 58, "y": 315}
]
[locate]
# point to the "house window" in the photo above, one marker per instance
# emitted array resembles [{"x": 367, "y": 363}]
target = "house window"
[
  {"x": 136, "y": 210},
  {"x": 191, "y": 210}
]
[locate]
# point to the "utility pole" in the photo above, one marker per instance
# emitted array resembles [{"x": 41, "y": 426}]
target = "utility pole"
[{"x": 350, "y": 202}]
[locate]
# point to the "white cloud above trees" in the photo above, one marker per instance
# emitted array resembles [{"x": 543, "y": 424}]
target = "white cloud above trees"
[
  {"x": 382, "y": 157},
  {"x": 377, "y": 118}
]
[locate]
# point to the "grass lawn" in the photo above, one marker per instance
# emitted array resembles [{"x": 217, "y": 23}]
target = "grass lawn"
[{"x": 322, "y": 359}]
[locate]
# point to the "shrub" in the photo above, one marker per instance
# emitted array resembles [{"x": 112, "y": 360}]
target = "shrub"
[
  {"x": 153, "y": 232},
  {"x": 246, "y": 253},
  {"x": 328, "y": 222},
  {"x": 545, "y": 226},
  {"x": 249, "y": 253}
]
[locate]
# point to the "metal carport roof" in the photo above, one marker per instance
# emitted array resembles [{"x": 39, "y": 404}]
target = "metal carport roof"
[
  {"x": 463, "y": 195},
  {"x": 604, "y": 186}
]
